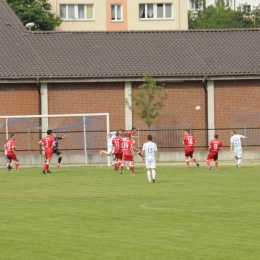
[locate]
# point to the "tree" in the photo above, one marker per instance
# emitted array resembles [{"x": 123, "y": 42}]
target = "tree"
[
  {"x": 219, "y": 16},
  {"x": 147, "y": 101},
  {"x": 36, "y": 11},
  {"x": 251, "y": 17}
]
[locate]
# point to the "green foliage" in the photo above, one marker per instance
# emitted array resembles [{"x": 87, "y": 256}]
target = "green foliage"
[
  {"x": 148, "y": 101},
  {"x": 220, "y": 16},
  {"x": 36, "y": 11}
]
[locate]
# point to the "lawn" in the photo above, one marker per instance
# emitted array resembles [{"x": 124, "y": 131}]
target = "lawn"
[{"x": 96, "y": 213}]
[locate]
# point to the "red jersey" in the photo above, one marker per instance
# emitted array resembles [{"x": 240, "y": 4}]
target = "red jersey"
[
  {"x": 129, "y": 132},
  {"x": 215, "y": 145},
  {"x": 189, "y": 141},
  {"x": 48, "y": 142},
  {"x": 127, "y": 146},
  {"x": 117, "y": 142},
  {"x": 9, "y": 146}
]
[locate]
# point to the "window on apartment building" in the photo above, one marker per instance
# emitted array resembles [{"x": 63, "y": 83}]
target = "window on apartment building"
[
  {"x": 229, "y": 3},
  {"x": 116, "y": 13},
  {"x": 247, "y": 8},
  {"x": 76, "y": 12},
  {"x": 155, "y": 11}
]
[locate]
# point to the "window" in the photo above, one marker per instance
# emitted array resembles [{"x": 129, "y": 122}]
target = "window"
[
  {"x": 116, "y": 13},
  {"x": 76, "y": 12},
  {"x": 229, "y": 3},
  {"x": 197, "y": 4},
  {"x": 247, "y": 8},
  {"x": 155, "y": 11}
]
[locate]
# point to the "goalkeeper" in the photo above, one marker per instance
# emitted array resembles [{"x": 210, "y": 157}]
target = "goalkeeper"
[{"x": 56, "y": 147}]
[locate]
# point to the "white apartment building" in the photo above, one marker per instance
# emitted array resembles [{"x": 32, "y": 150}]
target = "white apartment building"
[{"x": 121, "y": 15}]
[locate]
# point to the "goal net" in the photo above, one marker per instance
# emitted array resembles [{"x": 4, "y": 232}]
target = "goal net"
[{"x": 86, "y": 136}]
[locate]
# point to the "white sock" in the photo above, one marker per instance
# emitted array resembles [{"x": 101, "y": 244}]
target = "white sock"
[
  {"x": 153, "y": 173},
  {"x": 149, "y": 176},
  {"x": 239, "y": 161},
  {"x": 105, "y": 152}
]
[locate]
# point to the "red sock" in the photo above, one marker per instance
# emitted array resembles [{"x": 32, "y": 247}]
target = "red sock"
[
  {"x": 208, "y": 162},
  {"x": 194, "y": 160},
  {"x": 16, "y": 165},
  {"x": 132, "y": 168},
  {"x": 44, "y": 167},
  {"x": 115, "y": 165},
  {"x": 187, "y": 163},
  {"x": 216, "y": 164}
]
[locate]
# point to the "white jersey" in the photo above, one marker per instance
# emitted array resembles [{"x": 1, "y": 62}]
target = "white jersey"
[
  {"x": 150, "y": 148},
  {"x": 112, "y": 136},
  {"x": 236, "y": 141}
]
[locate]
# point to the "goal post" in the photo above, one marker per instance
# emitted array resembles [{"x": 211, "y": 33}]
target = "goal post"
[{"x": 86, "y": 136}]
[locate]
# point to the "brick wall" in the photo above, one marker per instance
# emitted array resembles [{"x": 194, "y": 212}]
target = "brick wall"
[
  {"x": 89, "y": 98},
  {"x": 19, "y": 99},
  {"x": 180, "y": 105},
  {"x": 237, "y": 102},
  {"x": 178, "y": 113}
]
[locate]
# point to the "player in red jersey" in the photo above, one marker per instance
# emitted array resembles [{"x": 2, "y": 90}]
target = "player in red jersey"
[
  {"x": 117, "y": 143},
  {"x": 127, "y": 149},
  {"x": 48, "y": 143},
  {"x": 214, "y": 147},
  {"x": 10, "y": 153},
  {"x": 132, "y": 136},
  {"x": 189, "y": 142}
]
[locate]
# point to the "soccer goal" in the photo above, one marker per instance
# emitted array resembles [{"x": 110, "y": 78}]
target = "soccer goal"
[{"x": 86, "y": 136}]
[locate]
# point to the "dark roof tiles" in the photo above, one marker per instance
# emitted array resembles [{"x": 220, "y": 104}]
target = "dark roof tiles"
[{"x": 124, "y": 54}]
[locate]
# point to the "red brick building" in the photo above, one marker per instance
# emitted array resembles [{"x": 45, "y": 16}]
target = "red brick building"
[{"x": 93, "y": 72}]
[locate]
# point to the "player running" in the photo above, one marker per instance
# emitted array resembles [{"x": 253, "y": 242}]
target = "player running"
[
  {"x": 10, "y": 153},
  {"x": 48, "y": 143},
  {"x": 189, "y": 142},
  {"x": 150, "y": 150},
  {"x": 127, "y": 149},
  {"x": 117, "y": 143},
  {"x": 236, "y": 147},
  {"x": 214, "y": 147}
]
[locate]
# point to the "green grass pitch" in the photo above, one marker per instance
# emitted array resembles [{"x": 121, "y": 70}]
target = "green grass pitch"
[{"x": 96, "y": 213}]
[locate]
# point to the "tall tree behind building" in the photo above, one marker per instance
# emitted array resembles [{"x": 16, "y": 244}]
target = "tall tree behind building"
[{"x": 36, "y": 11}]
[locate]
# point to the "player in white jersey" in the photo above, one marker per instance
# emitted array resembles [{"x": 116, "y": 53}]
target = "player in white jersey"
[
  {"x": 236, "y": 147},
  {"x": 109, "y": 151},
  {"x": 149, "y": 155}
]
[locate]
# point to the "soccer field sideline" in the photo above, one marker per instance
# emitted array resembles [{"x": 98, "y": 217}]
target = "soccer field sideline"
[{"x": 140, "y": 164}]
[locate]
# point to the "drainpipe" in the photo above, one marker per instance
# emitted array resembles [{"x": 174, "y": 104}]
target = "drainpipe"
[{"x": 204, "y": 84}]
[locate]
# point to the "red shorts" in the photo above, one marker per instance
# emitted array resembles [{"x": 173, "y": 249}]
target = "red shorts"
[
  {"x": 118, "y": 156},
  {"x": 48, "y": 155},
  {"x": 128, "y": 158},
  {"x": 11, "y": 156},
  {"x": 189, "y": 152},
  {"x": 213, "y": 156}
]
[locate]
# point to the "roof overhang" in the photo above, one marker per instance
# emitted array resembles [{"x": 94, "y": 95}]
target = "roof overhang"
[{"x": 126, "y": 79}]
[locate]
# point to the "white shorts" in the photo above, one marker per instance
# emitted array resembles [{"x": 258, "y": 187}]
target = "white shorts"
[
  {"x": 150, "y": 165},
  {"x": 110, "y": 149},
  {"x": 238, "y": 154}
]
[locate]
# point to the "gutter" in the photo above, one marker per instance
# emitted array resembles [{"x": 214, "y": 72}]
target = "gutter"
[{"x": 127, "y": 79}]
